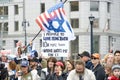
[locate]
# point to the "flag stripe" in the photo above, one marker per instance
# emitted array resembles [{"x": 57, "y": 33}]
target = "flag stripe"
[{"x": 40, "y": 25}]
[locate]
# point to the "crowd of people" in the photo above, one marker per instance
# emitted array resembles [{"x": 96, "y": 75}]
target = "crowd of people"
[{"x": 86, "y": 67}]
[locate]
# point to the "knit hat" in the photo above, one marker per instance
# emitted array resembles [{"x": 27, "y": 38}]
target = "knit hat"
[{"x": 116, "y": 66}]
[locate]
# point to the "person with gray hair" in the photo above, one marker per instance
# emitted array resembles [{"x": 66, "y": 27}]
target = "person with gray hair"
[{"x": 80, "y": 72}]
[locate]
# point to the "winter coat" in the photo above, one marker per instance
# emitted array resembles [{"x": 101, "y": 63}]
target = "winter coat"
[
  {"x": 113, "y": 78},
  {"x": 99, "y": 72},
  {"x": 55, "y": 77},
  {"x": 88, "y": 75}
]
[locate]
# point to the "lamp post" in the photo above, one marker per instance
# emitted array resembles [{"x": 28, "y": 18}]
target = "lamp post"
[
  {"x": 24, "y": 23},
  {"x": 91, "y": 18}
]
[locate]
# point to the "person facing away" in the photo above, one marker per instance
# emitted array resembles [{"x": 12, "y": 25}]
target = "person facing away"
[
  {"x": 80, "y": 72},
  {"x": 97, "y": 68}
]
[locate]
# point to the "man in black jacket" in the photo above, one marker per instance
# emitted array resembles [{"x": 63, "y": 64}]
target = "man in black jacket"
[
  {"x": 85, "y": 56},
  {"x": 3, "y": 72},
  {"x": 97, "y": 68}
]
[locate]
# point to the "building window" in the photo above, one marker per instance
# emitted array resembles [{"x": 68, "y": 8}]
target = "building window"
[
  {"x": 75, "y": 45},
  {"x": 108, "y": 7},
  {"x": 15, "y": 41},
  {"x": 4, "y": 43},
  {"x": 94, "y": 6},
  {"x": 4, "y": 10},
  {"x": 16, "y": 9},
  {"x": 96, "y": 43},
  {"x": 75, "y": 23},
  {"x": 5, "y": 29},
  {"x": 16, "y": 26},
  {"x": 42, "y": 7},
  {"x": 74, "y": 6},
  {"x": 96, "y": 23}
]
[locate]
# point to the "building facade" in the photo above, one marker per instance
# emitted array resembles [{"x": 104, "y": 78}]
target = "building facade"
[{"x": 18, "y": 23}]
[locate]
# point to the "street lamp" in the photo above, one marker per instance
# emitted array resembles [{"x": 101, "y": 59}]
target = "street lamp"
[
  {"x": 91, "y": 18},
  {"x": 24, "y": 23}
]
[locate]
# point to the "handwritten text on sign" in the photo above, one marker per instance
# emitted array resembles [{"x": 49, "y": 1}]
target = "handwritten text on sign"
[{"x": 55, "y": 44}]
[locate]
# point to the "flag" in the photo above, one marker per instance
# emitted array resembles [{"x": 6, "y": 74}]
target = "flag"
[{"x": 55, "y": 20}]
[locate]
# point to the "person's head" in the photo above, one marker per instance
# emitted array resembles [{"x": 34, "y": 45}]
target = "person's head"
[
  {"x": 116, "y": 70},
  {"x": 117, "y": 56},
  {"x": 80, "y": 66},
  {"x": 19, "y": 51},
  {"x": 33, "y": 62},
  {"x": 59, "y": 67},
  {"x": 69, "y": 65},
  {"x": 51, "y": 62},
  {"x": 4, "y": 58},
  {"x": 95, "y": 58},
  {"x": 85, "y": 56},
  {"x": 12, "y": 65},
  {"x": 24, "y": 66},
  {"x": 109, "y": 59}
]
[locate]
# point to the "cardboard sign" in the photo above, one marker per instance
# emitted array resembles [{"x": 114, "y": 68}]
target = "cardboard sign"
[{"x": 55, "y": 44}]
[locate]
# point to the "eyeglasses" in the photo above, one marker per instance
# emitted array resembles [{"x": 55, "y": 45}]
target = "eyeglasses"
[{"x": 94, "y": 58}]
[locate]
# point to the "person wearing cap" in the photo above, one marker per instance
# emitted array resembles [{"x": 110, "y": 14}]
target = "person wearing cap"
[
  {"x": 26, "y": 74},
  {"x": 116, "y": 72},
  {"x": 97, "y": 67},
  {"x": 85, "y": 56},
  {"x": 58, "y": 73},
  {"x": 80, "y": 72}
]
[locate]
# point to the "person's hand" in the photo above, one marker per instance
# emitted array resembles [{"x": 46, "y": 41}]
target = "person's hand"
[
  {"x": 31, "y": 43},
  {"x": 60, "y": 72}
]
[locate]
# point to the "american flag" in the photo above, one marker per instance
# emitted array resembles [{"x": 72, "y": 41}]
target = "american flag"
[{"x": 55, "y": 20}]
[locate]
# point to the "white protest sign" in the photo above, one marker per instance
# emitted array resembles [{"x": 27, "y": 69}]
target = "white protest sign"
[{"x": 55, "y": 44}]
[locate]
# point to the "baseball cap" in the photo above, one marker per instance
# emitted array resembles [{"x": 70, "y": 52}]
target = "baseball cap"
[
  {"x": 96, "y": 55},
  {"x": 24, "y": 63},
  {"x": 116, "y": 66},
  {"x": 59, "y": 64},
  {"x": 85, "y": 53}
]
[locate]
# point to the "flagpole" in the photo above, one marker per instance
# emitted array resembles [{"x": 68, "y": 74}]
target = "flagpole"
[
  {"x": 33, "y": 39},
  {"x": 64, "y": 2}
]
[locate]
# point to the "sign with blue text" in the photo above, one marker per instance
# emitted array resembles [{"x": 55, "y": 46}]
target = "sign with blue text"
[{"x": 55, "y": 44}]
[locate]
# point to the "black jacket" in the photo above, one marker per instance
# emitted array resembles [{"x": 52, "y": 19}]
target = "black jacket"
[
  {"x": 3, "y": 73},
  {"x": 55, "y": 77},
  {"x": 99, "y": 72}
]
